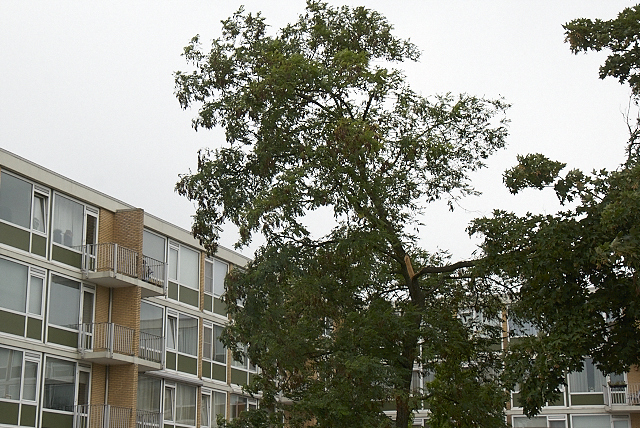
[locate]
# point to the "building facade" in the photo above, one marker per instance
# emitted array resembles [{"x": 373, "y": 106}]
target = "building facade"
[{"x": 109, "y": 316}]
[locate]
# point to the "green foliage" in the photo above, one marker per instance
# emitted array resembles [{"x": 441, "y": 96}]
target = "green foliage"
[
  {"x": 316, "y": 118},
  {"x": 573, "y": 274},
  {"x": 620, "y": 36}
]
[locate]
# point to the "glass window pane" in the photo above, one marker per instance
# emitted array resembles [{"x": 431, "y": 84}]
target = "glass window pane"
[
  {"x": 208, "y": 277},
  {"x": 171, "y": 332},
  {"x": 64, "y": 302},
  {"x": 68, "y": 221},
  {"x": 10, "y": 373},
  {"x": 169, "y": 399},
  {"x": 220, "y": 272},
  {"x": 185, "y": 404},
  {"x": 591, "y": 421},
  {"x": 87, "y": 307},
  {"x": 188, "y": 335},
  {"x": 30, "y": 380},
  {"x": 153, "y": 246},
  {"x": 13, "y": 285},
  {"x": 149, "y": 393},
  {"x": 15, "y": 200},
  {"x": 189, "y": 267},
  {"x": 35, "y": 295},
  {"x": 205, "y": 411},
  {"x": 535, "y": 422},
  {"x": 238, "y": 405},
  {"x": 151, "y": 319},
  {"x": 590, "y": 379},
  {"x": 219, "y": 407},
  {"x": 557, "y": 424},
  {"x": 220, "y": 350},
  {"x": 39, "y": 222},
  {"x": 206, "y": 342},
  {"x": 83, "y": 388},
  {"x": 59, "y": 384},
  {"x": 91, "y": 236},
  {"x": 173, "y": 264}
]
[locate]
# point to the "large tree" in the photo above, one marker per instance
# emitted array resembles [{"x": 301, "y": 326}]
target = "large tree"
[
  {"x": 339, "y": 314},
  {"x": 574, "y": 274}
]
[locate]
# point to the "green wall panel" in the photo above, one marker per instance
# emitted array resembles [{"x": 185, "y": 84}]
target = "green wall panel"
[
  {"x": 170, "y": 360},
  {"x": 173, "y": 291},
  {"x": 28, "y": 415},
  {"x": 39, "y": 245},
  {"x": 587, "y": 399},
  {"x": 189, "y": 296},
  {"x": 219, "y": 372},
  {"x": 66, "y": 256},
  {"x": 206, "y": 369},
  {"x": 238, "y": 377},
  {"x": 56, "y": 420},
  {"x": 15, "y": 237},
  {"x": 63, "y": 337},
  {"x": 188, "y": 364},
  {"x": 34, "y": 328},
  {"x": 208, "y": 303},
  {"x": 12, "y": 323},
  {"x": 219, "y": 307},
  {"x": 9, "y": 413}
]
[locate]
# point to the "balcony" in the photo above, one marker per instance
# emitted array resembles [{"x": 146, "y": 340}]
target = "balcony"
[
  {"x": 112, "y": 265},
  {"x": 107, "y": 416},
  {"x": 625, "y": 397},
  {"x": 113, "y": 344}
]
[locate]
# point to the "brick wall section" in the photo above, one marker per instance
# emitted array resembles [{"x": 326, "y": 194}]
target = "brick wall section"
[
  {"x": 98, "y": 376},
  {"x": 102, "y": 304},
  {"x": 106, "y": 224},
  {"x": 123, "y": 388},
  {"x": 125, "y": 310}
]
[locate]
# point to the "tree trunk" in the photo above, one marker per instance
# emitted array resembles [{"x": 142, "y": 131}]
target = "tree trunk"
[{"x": 402, "y": 412}]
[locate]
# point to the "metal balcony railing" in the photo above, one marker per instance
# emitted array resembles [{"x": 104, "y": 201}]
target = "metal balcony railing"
[
  {"x": 114, "y": 338},
  {"x": 625, "y": 394},
  {"x": 123, "y": 260},
  {"x": 146, "y": 419},
  {"x": 101, "y": 416},
  {"x": 108, "y": 416}
]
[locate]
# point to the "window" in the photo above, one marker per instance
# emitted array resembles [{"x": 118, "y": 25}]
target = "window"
[
  {"x": 590, "y": 379},
  {"x": 215, "y": 272},
  {"x": 74, "y": 225},
  {"x": 151, "y": 318},
  {"x": 64, "y": 383},
  {"x": 212, "y": 347},
  {"x": 18, "y": 375},
  {"x": 598, "y": 421},
  {"x": 21, "y": 287},
  {"x": 154, "y": 249},
  {"x": 70, "y": 303},
  {"x": 518, "y": 328},
  {"x": 245, "y": 363},
  {"x": 184, "y": 265},
  {"x": 213, "y": 403},
  {"x": 22, "y": 203},
  {"x": 180, "y": 403},
  {"x": 239, "y": 404},
  {"x": 149, "y": 389},
  {"x": 182, "y": 333}
]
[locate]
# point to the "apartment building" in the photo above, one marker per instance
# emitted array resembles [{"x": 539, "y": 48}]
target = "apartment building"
[
  {"x": 589, "y": 400},
  {"x": 109, "y": 316}
]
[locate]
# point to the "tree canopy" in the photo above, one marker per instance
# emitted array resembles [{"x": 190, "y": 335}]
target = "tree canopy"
[
  {"x": 574, "y": 274},
  {"x": 317, "y": 119}
]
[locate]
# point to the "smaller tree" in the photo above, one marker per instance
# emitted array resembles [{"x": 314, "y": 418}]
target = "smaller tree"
[{"x": 574, "y": 274}]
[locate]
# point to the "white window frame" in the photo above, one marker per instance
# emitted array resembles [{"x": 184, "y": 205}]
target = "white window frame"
[
  {"x": 211, "y": 284},
  {"x": 84, "y": 289},
  {"x": 78, "y": 368},
  {"x": 178, "y": 247},
  {"x": 88, "y": 211},
  {"x": 36, "y": 191},
  {"x": 206, "y": 324},
  {"x": 176, "y": 346},
  {"x": 33, "y": 272},
  {"x": 27, "y": 357}
]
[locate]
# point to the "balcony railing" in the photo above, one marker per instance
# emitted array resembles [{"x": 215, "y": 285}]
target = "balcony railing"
[
  {"x": 114, "y": 338},
  {"x": 108, "y": 416},
  {"x": 626, "y": 394},
  {"x": 122, "y": 260}
]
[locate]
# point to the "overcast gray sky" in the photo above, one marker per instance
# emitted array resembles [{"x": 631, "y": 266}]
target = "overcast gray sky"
[{"x": 86, "y": 90}]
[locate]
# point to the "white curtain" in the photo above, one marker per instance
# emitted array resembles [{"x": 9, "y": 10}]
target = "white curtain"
[
  {"x": 68, "y": 218},
  {"x": 591, "y": 421}
]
